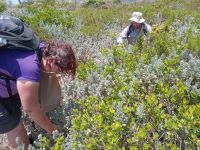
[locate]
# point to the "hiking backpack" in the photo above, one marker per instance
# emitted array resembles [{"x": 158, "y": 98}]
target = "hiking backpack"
[{"x": 16, "y": 35}]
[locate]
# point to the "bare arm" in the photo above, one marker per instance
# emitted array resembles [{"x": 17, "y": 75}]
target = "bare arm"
[{"x": 28, "y": 92}]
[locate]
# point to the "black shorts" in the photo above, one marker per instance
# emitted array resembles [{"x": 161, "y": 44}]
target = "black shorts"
[{"x": 10, "y": 113}]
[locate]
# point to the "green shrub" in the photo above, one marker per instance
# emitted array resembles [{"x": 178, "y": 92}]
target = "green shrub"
[
  {"x": 193, "y": 41},
  {"x": 90, "y": 30},
  {"x": 2, "y": 5},
  {"x": 53, "y": 16},
  {"x": 46, "y": 15},
  {"x": 84, "y": 68},
  {"x": 94, "y": 2}
]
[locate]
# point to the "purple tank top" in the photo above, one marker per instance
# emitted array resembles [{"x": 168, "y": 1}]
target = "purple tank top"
[{"x": 20, "y": 65}]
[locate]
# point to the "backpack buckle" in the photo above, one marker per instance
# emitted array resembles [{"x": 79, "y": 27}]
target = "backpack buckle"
[{"x": 3, "y": 42}]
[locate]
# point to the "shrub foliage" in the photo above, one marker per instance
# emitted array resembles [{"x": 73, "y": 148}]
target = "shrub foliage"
[{"x": 145, "y": 96}]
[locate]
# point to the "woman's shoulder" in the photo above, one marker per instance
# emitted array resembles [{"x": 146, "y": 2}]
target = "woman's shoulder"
[
  {"x": 29, "y": 68},
  {"x": 21, "y": 64}
]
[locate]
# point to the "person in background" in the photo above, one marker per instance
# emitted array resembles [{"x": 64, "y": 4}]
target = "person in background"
[
  {"x": 138, "y": 27},
  {"x": 20, "y": 87}
]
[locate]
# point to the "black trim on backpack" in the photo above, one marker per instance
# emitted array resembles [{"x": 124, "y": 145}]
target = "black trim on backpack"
[{"x": 7, "y": 79}]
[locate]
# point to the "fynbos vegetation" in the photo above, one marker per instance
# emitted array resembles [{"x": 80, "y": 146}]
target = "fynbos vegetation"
[{"x": 146, "y": 97}]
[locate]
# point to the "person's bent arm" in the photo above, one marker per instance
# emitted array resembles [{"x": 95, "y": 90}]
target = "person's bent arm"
[
  {"x": 122, "y": 36},
  {"x": 148, "y": 28},
  {"x": 28, "y": 92}
]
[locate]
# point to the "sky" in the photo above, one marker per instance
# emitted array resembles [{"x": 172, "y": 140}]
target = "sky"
[{"x": 13, "y": 1}]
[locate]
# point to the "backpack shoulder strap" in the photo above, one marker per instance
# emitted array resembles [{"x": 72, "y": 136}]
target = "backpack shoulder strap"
[
  {"x": 39, "y": 54},
  {"x": 129, "y": 30},
  {"x": 144, "y": 28},
  {"x": 7, "y": 79}
]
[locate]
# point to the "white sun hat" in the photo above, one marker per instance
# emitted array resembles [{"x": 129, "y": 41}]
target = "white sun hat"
[{"x": 137, "y": 17}]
